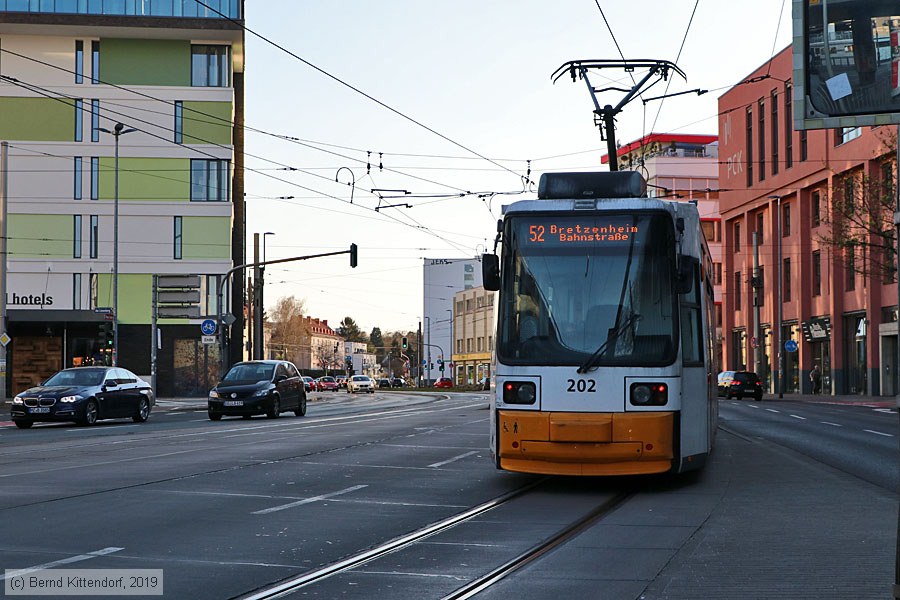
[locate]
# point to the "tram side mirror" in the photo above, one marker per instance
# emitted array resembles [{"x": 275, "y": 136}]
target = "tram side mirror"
[
  {"x": 490, "y": 272},
  {"x": 684, "y": 275}
]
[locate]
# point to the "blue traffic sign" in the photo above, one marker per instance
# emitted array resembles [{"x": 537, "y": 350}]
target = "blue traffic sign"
[
  {"x": 790, "y": 346},
  {"x": 208, "y": 327}
]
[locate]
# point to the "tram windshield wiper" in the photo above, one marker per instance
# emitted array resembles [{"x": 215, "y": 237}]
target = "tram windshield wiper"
[{"x": 594, "y": 360}]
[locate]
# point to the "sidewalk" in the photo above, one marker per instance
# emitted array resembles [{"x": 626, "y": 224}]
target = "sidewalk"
[{"x": 871, "y": 401}]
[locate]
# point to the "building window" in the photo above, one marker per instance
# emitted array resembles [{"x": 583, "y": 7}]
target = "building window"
[
  {"x": 79, "y": 61},
  {"x": 179, "y": 239},
  {"x": 816, "y": 208},
  {"x": 887, "y": 180},
  {"x": 76, "y": 291},
  {"x": 761, "y": 105},
  {"x": 95, "y": 62},
  {"x": 737, "y": 290},
  {"x": 209, "y": 180},
  {"x": 709, "y": 230},
  {"x": 179, "y": 121},
  {"x": 759, "y": 228},
  {"x": 786, "y": 280},
  {"x": 850, "y": 268},
  {"x": 210, "y": 66},
  {"x": 804, "y": 145},
  {"x": 737, "y": 237},
  {"x": 76, "y": 236},
  {"x": 76, "y": 176},
  {"x": 774, "y": 127},
  {"x": 788, "y": 126},
  {"x": 95, "y": 177},
  {"x": 816, "y": 273},
  {"x": 785, "y": 220},
  {"x": 890, "y": 253},
  {"x": 95, "y": 289},
  {"x": 749, "y": 116},
  {"x": 845, "y": 134},
  {"x": 95, "y": 120},
  {"x": 79, "y": 120},
  {"x": 95, "y": 235},
  {"x": 718, "y": 270},
  {"x": 850, "y": 191}
]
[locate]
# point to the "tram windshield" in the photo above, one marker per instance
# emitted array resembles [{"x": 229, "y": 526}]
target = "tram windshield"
[{"x": 596, "y": 288}]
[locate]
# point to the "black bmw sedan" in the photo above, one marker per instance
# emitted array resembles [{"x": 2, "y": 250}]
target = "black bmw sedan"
[
  {"x": 258, "y": 387},
  {"x": 85, "y": 395}
]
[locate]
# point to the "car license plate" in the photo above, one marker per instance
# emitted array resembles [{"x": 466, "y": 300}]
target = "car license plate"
[
  {"x": 234, "y": 403},
  {"x": 39, "y": 409}
]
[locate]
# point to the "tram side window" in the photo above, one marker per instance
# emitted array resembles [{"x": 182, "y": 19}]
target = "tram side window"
[{"x": 691, "y": 322}]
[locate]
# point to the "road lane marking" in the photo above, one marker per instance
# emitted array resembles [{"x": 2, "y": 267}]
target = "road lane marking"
[
  {"x": 772, "y": 410},
  {"x": 454, "y": 459},
  {"x": 266, "y": 511},
  {"x": 64, "y": 561},
  {"x": 830, "y": 423},
  {"x": 879, "y": 433},
  {"x": 799, "y": 417}
]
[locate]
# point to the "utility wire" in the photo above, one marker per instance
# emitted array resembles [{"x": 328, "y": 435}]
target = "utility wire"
[{"x": 355, "y": 89}]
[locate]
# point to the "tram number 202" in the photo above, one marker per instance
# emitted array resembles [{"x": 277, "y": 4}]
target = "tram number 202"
[{"x": 582, "y": 385}]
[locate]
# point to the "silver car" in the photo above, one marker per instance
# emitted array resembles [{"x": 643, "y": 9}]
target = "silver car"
[{"x": 360, "y": 383}]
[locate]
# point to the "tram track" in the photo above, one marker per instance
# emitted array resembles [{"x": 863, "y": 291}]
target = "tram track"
[{"x": 289, "y": 586}]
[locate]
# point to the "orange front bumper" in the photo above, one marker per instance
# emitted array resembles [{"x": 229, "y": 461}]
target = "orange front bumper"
[{"x": 586, "y": 443}]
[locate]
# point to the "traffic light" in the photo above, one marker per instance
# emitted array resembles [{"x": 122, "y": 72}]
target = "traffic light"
[
  {"x": 104, "y": 334},
  {"x": 353, "y": 260},
  {"x": 404, "y": 343}
]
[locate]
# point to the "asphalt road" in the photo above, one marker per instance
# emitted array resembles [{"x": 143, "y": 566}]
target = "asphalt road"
[{"x": 234, "y": 506}]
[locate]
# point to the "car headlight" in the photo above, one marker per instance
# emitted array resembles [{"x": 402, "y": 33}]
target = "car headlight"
[
  {"x": 18, "y": 400},
  {"x": 70, "y": 399},
  {"x": 213, "y": 394},
  {"x": 260, "y": 393}
]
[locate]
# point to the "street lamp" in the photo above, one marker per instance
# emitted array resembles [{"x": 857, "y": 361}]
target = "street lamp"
[
  {"x": 118, "y": 130},
  {"x": 452, "y": 344},
  {"x": 779, "y": 308},
  {"x": 262, "y": 305},
  {"x": 428, "y": 349}
]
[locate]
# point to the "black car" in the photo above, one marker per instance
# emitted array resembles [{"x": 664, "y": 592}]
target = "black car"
[
  {"x": 258, "y": 387},
  {"x": 85, "y": 395},
  {"x": 737, "y": 384},
  {"x": 384, "y": 382},
  {"x": 398, "y": 382}
]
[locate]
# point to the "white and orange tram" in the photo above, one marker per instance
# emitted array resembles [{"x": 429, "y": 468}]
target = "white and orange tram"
[{"x": 605, "y": 340}]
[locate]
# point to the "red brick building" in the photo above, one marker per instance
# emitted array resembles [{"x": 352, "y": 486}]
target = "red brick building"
[{"x": 790, "y": 189}]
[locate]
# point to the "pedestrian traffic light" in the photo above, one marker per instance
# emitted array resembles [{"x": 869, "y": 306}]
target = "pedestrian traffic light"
[
  {"x": 404, "y": 343},
  {"x": 353, "y": 256}
]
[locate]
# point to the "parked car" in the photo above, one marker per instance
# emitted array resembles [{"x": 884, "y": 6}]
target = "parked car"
[
  {"x": 444, "y": 382},
  {"x": 258, "y": 387},
  {"x": 737, "y": 384},
  {"x": 360, "y": 383},
  {"x": 326, "y": 384},
  {"x": 341, "y": 381},
  {"x": 384, "y": 382},
  {"x": 309, "y": 383},
  {"x": 85, "y": 395},
  {"x": 398, "y": 382}
]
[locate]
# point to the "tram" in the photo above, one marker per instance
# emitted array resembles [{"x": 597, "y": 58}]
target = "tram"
[{"x": 605, "y": 340}]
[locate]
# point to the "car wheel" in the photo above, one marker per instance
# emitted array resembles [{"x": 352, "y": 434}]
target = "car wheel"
[
  {"x": 275, "y": 409},
  {"x": 301, "y": 410},
  {"x": 143, "y": 412},
  {"x": 23, "y": 423},
  {"x": 91, "y": 412},
  {"x": 215, "y": 416}
]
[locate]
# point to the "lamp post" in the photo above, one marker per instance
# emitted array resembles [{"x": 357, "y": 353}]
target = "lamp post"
[
  {"x": 258, "y": 325},
  {"x": 452, "y": 345},
  {"x": 428, "y": 344},
  {"x": 118, "y": 130},
  {"x": 779, "y": 308}
]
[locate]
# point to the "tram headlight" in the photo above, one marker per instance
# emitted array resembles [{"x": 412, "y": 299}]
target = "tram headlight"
[
  {"x": 519, "y": 392},
  {"x": 649, "y": 394}
]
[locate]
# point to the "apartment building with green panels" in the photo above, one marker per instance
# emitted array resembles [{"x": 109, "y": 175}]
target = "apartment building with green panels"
[{"x": 171, "y": 70}]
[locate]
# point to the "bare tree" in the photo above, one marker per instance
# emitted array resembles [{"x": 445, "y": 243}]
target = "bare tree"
[
  {"x": 290, "y": 335},
  {"x": 860, "y": 218}
]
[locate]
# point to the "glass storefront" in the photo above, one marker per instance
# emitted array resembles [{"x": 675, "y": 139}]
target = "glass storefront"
[
  {"x": 855, "y": 360},
  {"x": 138, "y": 8},
  {"x": 791, "y": 331}
]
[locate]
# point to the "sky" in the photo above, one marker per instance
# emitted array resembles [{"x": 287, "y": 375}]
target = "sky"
[{"x": 445, "y": 103}]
